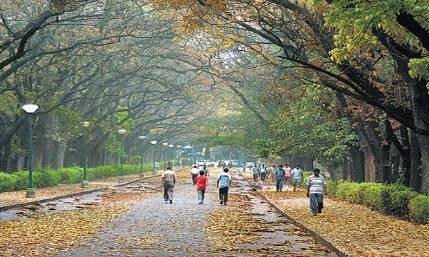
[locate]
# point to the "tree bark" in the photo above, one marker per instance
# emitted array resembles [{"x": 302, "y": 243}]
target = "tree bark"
[
  {"x": 415, "y": 176},
  {"x": 357, "y": 164}
]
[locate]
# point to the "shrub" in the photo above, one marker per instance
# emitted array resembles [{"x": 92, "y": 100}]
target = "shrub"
[
  {"x": 395, "y": 199},
  {"x": 45, "y": 178},
  {"x": 7, "y": 182},
  {"x": 70, "y": 175},
  {"x": 21, "y": 179},
  {"x": 368, "y": 194},
  {"x": 371, "y": 195},
  {"x": 332, "y": 187},
  {"x": 419, "y": 209}
]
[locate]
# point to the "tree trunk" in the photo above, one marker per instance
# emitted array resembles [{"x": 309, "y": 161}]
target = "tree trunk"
[
  {"x": 385, "y": 162},
  {"x": 395, "y": 160},
  {"x": 357, "y": 164},
  {"x": 415, "y": 171},
  {"x": 420, "y": 106},
  {"x": 58, "y": 157}
]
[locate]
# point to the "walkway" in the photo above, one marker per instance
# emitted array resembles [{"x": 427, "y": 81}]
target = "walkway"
[{"x": 147, "y": 226}]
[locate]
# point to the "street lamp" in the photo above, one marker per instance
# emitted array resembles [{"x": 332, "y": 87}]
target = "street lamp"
[
  {"x": 30, "y": 109},
  {"x": 85, "y": 124},
  {"x": 121, "y": 133},
  {"x": 142, "y": 138},
  {"x": 187, "y": 147},
  {"x": 165, "y": 155},
  {"x": 171, "y": 155},
  {"x": 153, "y": 143}
]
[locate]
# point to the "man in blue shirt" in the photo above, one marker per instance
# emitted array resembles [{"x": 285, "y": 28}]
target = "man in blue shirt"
[
  {"x": 223, "y": 182},
  {"x": 280, "y": 175}
]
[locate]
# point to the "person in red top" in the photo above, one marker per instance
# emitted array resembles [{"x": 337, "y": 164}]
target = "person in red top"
[{"x": 201, "y": 183}]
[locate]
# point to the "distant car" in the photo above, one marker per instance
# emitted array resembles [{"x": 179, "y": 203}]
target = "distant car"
[
  {"x": 249, "y": 164},
  {"x": 235, "y": 163},
  {"x": 208, "y": 163},
  {"x": 200, "y": 163},
  {"x": 211, "y": 163}
]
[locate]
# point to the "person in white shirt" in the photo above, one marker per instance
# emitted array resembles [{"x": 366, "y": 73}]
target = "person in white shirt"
[
  {"x": 296, "y": 178},
  {"x": 168, "y": 180},
  {"x": 194, "y": 173}
]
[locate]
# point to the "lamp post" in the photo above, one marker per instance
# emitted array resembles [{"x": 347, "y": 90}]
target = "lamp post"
[
  {"x": 171, "y": 155},
  {"x": 153, "y": 143},
  {"x": 142, "y": 138},
  {"x": 85, "y": 124},
  {"x": 121, "y": 133},
  {"x": 166, "y": 155},
  {"x": 187, "y": 147},
  {"x": 30, "y": 109},
  {"x": 179, "y": 156}
]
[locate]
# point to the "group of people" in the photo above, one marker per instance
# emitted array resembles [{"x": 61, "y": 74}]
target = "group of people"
[
  {"x": 200, "y": 180},
  {"x": 316, "y": 184},
  {"x": 282, "y": 175}
]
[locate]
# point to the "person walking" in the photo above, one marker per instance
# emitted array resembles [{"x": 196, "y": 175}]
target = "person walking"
[
  {"x": 168, "y": 180},
  {"x": 206, "y": 170},
  {"x": 264, "y": 171},
  {"x": 194, "y": 173},
  {"x": 288, "y": 173},
  {"x": 297, "y": 178},
  {"x": 256, "y": 170},
  {"x": 316, "y": 188},
  {"x": 280, "y": 178},
  {"x": 272, "y": 173},
  {"x": 201, "y": 183},
  {"x": 223, "y": 183}
]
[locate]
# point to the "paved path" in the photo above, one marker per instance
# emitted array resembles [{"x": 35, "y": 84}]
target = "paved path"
[{"x": 153, "y": 228}]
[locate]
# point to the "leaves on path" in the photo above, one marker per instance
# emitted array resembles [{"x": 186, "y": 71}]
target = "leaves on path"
[
  {"x": 357, "y": 229},
  {"x": 49, "y": 233},
  {"x": 230, "y": 227}
]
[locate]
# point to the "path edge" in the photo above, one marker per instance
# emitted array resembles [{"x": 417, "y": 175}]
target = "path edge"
[{"x": 313, "y": 233}]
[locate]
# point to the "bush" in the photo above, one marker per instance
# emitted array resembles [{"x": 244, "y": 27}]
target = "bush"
[
  {"x": 7, "y": 182},
  {"x": 332, "y": 187},
  {"x": 70, "y": 175},
  {"x": 419, "y": 209},
  {"x": 395, "y": 199},
  {"x": 19, "y": 180},
  {"x": 47, "y": 178}
]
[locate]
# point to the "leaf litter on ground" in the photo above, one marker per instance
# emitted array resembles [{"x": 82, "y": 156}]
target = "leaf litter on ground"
[{"x": 356, "y": 229}]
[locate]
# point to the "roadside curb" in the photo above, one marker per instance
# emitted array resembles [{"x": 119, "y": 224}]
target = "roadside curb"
[
  {"x": 313, "y": 233},
  {"x": 20, "y": 205}
]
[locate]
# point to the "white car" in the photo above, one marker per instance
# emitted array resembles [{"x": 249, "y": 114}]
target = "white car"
[
  {"x": 200, "y": 163},
  {"x": 249, "y": 164}
]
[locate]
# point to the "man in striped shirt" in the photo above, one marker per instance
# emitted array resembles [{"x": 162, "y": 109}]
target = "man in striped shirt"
[{"x": 316, "y": 187}]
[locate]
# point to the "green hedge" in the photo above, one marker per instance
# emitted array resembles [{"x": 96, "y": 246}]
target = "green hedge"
[
  {"x": 396, "y": 200},
  {"x": 46, "y": 178}
]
